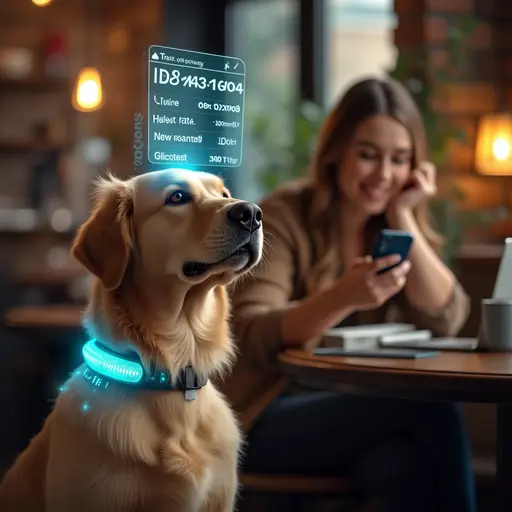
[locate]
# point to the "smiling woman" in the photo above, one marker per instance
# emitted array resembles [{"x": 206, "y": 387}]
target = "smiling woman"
[
  {"x": 368, "y": 173},
  {"x": 378, "y": 140}
]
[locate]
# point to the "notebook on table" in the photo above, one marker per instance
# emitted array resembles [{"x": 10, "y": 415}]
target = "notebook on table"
[{"x": 363, "y": 337}]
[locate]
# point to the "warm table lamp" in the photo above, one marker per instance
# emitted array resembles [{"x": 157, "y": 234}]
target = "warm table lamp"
[{"x": 493, "y": 156}]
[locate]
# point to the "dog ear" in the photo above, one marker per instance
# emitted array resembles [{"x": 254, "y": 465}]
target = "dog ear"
[{"x": 103, "y": 243}]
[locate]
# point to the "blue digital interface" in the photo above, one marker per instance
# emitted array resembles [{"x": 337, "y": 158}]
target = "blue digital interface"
[{"x": 195, "y": 108}]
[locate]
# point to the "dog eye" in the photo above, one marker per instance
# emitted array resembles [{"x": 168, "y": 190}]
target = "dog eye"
[
  {"x": 225, "y": 195},
  {"x": 178, "y": 197}
]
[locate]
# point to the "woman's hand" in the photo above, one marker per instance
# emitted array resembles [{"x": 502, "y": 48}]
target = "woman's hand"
[
  {"x": 421, "y": 186},
  {"x": 364, "y": 288},
  {"x": 359, "y": 288}
]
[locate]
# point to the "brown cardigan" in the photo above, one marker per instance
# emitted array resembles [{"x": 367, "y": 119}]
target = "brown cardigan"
[{"x": 259, "y": 304}]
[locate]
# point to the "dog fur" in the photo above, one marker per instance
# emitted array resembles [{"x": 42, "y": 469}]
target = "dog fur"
[{"x": 137, "y": 450}]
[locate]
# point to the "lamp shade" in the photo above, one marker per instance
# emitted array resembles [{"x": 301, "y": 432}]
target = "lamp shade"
[
  {"x": 88, "y": 91},
  {"x": 493, "y": 152}
]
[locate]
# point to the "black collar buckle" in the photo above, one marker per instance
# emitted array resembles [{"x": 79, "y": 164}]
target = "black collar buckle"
[{"x": 191, "y": 382}]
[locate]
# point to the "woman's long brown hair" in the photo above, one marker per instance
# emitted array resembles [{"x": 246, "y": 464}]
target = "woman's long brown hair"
[{"x": 363, "y": 100}]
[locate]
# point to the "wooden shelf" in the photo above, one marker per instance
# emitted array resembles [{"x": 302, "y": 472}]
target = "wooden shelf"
[
  {"x": 38, "y": 230},
  {"x": 50, "y": 277},
  {"x": 23, "y": 146},
  {"x": 34, "y": 85},
  {"x": 28, "y": 221}
]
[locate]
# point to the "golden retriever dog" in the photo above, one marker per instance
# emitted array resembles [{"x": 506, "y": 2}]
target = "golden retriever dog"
[{"x": 162, "y": 247}]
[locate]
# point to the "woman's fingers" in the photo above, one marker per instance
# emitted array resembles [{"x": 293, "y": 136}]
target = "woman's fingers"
[
  {"x": 394, "y": 278},
  {"x": 385, "y": 261}
]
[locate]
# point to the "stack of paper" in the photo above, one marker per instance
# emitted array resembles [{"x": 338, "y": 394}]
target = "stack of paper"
[{"x": 362, "y": 336}]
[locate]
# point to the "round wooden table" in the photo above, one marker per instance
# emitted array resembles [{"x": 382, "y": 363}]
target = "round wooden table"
[
  {"x": 48, "y": 316},
  {"x": 451, "y": 376}
]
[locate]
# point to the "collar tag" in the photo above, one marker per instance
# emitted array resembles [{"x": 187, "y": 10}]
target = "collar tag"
[{"x": 190, "y": 394}]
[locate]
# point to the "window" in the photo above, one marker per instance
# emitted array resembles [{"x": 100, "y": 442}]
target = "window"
[
  {"x": 359, "y": 43},
  {"x": 264, "y": 34}
]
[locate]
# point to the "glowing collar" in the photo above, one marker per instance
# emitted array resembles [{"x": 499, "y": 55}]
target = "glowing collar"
[{"x": 103, "y": 365}]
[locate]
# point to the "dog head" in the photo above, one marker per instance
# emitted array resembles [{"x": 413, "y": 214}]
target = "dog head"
[{"x": 176, "y": 223}]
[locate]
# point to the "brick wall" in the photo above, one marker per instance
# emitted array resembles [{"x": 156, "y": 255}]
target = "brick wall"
[
  {"x": 110, "y": 35},
  {"x": 24, "y": 25},
  {"x": 425, "y": 23}
]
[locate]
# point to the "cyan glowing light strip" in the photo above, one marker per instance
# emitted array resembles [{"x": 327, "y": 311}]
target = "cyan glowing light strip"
[{"x": 110, "y": 365}]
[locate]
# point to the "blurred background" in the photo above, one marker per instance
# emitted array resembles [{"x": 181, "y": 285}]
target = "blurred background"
[{"x": 72, "y": 79}]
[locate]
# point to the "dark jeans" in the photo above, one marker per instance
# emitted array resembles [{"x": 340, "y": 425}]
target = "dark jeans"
[{"x": 412, "y": 456}]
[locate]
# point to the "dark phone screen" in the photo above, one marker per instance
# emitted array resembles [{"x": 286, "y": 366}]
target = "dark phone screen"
[{"x": 392, "y": 242}]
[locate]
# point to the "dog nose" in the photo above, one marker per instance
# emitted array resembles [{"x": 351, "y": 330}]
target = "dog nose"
[{"x": 246, "y": 215}]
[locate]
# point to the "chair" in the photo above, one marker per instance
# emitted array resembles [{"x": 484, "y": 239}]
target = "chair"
[{"x": 298, "y": 491}]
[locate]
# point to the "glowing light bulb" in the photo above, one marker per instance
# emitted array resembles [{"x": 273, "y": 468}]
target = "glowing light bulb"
[
  {"x": 501, "y": 149},
  {"x": 41, "y": 3},
  {"x": 88, "y": 93}
]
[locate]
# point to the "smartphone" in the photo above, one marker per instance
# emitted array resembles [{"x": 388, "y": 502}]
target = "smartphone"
[{"x": 391, "y": 241}]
